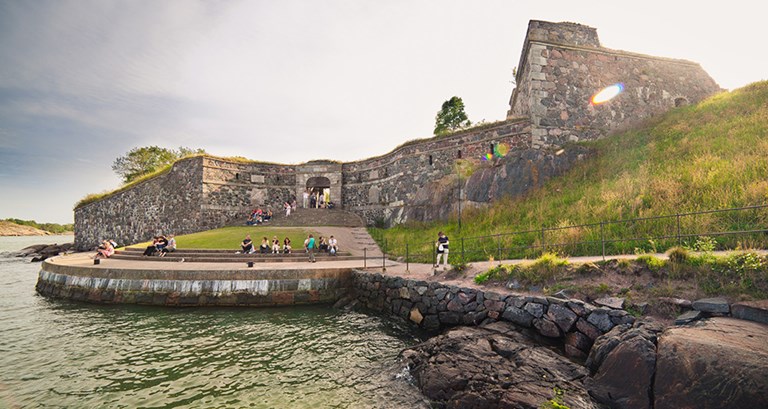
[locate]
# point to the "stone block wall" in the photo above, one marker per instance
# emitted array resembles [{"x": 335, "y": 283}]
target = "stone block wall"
[
  {"x": 382, "y": 187},
  {"x": 563, "y": 65},
  {"x": 168, "y": 203},
  {"x": 231, "y": 189},
  {"x": 434, "y": 306}
]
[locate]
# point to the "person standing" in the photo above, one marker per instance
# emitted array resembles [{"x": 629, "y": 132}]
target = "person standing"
[
  {"x": 305, "y": 199},
  {"x": 442, "y": 249},
  {"x": 309, "y": 244},
  {"x": 287, "y": 207}
]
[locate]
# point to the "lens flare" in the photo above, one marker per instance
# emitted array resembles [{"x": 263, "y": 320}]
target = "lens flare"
[
  {"x": 608, "y": 93},
  {"x": 487, "y": 156},
  {"x": 501, "y": 150}
]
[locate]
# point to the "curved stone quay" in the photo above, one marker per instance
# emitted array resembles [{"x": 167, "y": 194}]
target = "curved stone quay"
[{"x": 75, "y": 277}]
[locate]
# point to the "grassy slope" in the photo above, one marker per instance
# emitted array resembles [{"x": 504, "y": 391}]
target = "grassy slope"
[
  {"x": 230, "y": 237},
  {"x": 711, "y": 155}
]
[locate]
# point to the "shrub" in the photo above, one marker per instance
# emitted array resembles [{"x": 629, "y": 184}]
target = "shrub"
[
  {"x": 678, "y": 255},
  {"x": 654, "y": 264}
]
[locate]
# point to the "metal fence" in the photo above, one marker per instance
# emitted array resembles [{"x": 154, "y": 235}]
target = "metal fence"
[{"x": 724, "y": 229}]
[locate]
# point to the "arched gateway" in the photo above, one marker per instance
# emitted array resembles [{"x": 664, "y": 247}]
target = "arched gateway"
[{"x": 321, "y": 179}]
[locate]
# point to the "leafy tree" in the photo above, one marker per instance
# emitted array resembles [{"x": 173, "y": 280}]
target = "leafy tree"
[
  {"x": 451, "y": 116},
  {"x": 141, "y": 161}
]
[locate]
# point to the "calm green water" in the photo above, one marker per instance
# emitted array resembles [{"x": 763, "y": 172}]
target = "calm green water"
[{"x": 58, "y": 354}]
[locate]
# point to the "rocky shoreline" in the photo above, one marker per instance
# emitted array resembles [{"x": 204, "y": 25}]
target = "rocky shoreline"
[
  {"x": 517, "y": 351},
  {"x": 40, "y": 252}
]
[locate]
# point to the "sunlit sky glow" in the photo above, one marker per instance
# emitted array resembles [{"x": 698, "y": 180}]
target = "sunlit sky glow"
[{"x": 84, "y": 81}]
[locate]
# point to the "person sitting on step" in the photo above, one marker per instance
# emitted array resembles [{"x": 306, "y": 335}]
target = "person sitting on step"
[
  {"x": 323, "y": 244},
  {"x": 333, "y": 246},
  {"x": 247, "y": 244},
  {"x": 275, "y": 245},
  {"x": 106, "y": 250},
  {"x": 264, "y": 247},
  {"x": 170, "y": 247},
  {"x": 152, "y": 248},
  {"x": 287, "y": 245}
]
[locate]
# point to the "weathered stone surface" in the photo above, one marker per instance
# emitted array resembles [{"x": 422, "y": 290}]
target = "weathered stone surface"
[
  {"x": 475, "y": 367},
  {"x": 547, "y": 328},
  {"x": 562, "y": 316},
  {"x": 535, "y": 309},
  {"x": 588, "y": 329},
  {"x": 615, "y": 303},
  {"x": 756, "y": 311},
  {"x": 716, "y": 305},
  {"x": 517, "y": 316},
  {"x": 714, "y": 363},
  {"x": 601, "y": 320},
  {"x": 579, "y": 341},
  {"x": 622, "y": 354},
  {"x": 688, "y": 316}
]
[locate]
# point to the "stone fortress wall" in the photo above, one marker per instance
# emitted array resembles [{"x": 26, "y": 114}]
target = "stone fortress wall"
[{"x": 561, "y": 67}]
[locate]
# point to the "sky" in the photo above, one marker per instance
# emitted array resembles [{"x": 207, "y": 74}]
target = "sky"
[{"x": 83, "y": 82}]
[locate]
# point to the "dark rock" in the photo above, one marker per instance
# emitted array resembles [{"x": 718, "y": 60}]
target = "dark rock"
[
  {"x": 678, "y": 302},
  {"x": 480, "y": 367},
  {"x": 580, "y": 341},
  {"x": 716, "y": 305},
  {"x": 601, "y": 320},
  {"x": 547, "y": 328},
  {"x": 535, "y": 309},
  {"x": 517, "y": 316},
  {"x": 715, "y": 363},
  {"x": 688, "y": 317},
  {"x": 492, "y": 305},
  {"x": 449, "y": 318},
  {"x": 562, "y": 316},
  {"x": 756, "y": 311},
  {"x": 431, "y": 322},
  {"x": 588, "y": 329},
  {"x": 623, "y": 362}
]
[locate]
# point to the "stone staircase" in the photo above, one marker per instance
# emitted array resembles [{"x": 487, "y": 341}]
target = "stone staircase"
[{"x": 316, "y": 217}]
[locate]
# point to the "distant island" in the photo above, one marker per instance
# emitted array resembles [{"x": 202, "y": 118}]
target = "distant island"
[{"x": 16, "y": 227}]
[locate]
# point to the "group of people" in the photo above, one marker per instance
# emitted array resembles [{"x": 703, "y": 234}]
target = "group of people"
[
  {"x": 258, "y": 216},
  {"x": 317, "y": 199},
  {"x": 161, "y": 245},
  {"x": 330, "y": 246},
  {"x": 106, "y": 249},
  {"x": 266, "y": 246}
]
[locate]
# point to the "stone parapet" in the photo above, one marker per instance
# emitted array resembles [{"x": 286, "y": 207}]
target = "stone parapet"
[{"x": 236, "y": 287}]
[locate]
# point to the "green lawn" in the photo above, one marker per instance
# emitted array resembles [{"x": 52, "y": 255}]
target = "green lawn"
[{"x": 230, "y": 237}]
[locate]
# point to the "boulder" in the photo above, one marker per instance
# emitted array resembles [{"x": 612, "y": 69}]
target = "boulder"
[
  {"x": 714, "y": 363},
  {"x": 715, "y": 305},
  {"x": 688, "y": 317},
  {"x": 756, "y": 311},
  {"x": 493, "y": 366},
  {"x": 624, "y": 362}
]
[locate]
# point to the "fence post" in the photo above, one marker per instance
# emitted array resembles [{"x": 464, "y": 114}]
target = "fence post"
[
  {"x": 602, "y": 238},
  {"x": 407, "y": 265},
  {"x": 365, "y": 257},
  {"x": 679, "y": 239},
  {"x": 462, "y": 251},
  {"x": 498, "y": 248},
  {"x": 384, "y": 257},
  {"x": 543, "y": 242}
]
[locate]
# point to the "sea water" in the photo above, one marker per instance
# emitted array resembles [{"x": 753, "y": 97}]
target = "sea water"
[{"x": 62, "y": 354}]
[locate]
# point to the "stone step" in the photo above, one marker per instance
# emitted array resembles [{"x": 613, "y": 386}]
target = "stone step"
[
  {"x": 236, "y": 258},
  {"x": 134, "y": 251}
]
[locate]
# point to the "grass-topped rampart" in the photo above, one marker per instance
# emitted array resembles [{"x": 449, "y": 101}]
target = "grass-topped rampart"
[{"x": 711, "y": 155}]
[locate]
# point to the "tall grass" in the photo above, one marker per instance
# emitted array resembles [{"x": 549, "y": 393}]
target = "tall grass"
[{"x": 706, "y": 156}]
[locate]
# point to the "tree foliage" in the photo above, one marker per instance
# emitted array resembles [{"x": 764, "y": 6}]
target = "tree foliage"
[
  {"x": 49, "y": 227},
  {"x": 141, "y": 161},
  {"x": 451, "y": 116}
]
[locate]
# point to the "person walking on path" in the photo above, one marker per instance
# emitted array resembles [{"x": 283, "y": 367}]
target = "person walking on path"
[
  {"x": 309, "y": 244},
  {"x": 442, "y": 249}
]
